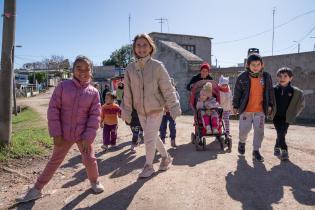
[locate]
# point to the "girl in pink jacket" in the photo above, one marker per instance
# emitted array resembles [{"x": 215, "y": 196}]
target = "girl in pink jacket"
[{"x": 73, "y": 118}]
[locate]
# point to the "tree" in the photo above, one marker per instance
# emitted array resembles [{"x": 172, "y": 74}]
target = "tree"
[
  {"x": 39, "y": 76},
  {"x": 120, "y": 57}
]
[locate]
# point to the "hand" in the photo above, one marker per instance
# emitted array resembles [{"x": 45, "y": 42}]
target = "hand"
[
  {"x": 235, "y": 111},
  {"x": 269, "y": 110},
  {"x": 85, "y": 146},
  {"x": 101, "y": 125},
  {"x": 58, "y": 140}
]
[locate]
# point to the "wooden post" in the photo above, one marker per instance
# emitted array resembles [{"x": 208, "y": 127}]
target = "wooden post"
[{"x": 6, "y": 72}]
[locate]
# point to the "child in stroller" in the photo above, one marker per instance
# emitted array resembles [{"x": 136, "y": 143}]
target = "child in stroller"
[
  {"x": 207, "y": 105},
  {"x": 207, "y": 115}
]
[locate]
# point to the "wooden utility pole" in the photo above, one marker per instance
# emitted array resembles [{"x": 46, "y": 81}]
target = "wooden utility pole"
[{"x": 6, "y": 72}]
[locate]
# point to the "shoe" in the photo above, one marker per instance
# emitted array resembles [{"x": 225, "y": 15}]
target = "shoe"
[
  {"x": 257, "y": 156},
  {"x": 173, "y": 144},
  {"x": 241, "y": 148},
  {"x": 132, "y": 149},
  {"x": 163, "y": 140},
  {"x": 215, "y": 131},
  {"x": 165, "y": 162},
  {"x": 113, "y": 147},
  {"x": 147, "y": 171},
  {"x": 284, "y": 155},
  {"x": 104, "y": 147},
  {"x": 97, "y": 187},
  {"x": 276, "y": 151},
  {"x": 30, "y": 195}
]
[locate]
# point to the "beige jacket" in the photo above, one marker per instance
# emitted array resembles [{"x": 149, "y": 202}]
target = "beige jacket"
[{"x": 148, "y": 89}]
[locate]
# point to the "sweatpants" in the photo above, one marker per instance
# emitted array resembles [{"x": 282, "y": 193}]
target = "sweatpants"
[
  {"x": 59, "y": 154},
  {"x": 226, "y": 120},
  {"x": 249, "y": 119},
  {"x": 109, "y": 134},
  {"x": 150, "y": 125},
  {"x": 282, "y": 128}
]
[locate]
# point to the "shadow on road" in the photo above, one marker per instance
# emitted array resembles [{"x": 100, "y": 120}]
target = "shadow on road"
[{"x": 257, "y": 188}]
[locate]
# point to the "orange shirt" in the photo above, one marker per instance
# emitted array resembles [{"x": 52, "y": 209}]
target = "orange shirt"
[
  {"x": 110, "y": 113},
  {"x": 256, "y": 95}
]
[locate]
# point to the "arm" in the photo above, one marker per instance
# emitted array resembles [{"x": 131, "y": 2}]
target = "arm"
[
  {"x": 54, "y": 112},
  {"x": 237, "y": 94},
  {"x": 93, "y": 120},
  {"x": 271, "y": 92},
  {"x": 189, "y": 85},
  {"x": 301, "y": 104},
  {"x": 169, "y": 93},
  {"x": 127, "y": 102}
]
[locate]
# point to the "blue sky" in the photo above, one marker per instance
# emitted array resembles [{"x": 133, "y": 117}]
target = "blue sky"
[{"x": 97, "y": 27}]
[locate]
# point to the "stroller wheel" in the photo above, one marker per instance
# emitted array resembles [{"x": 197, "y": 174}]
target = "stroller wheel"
[
  {"x": 204, "y": 143},
  {"x": 198, "y": 143},
  {"x": 229, "y": 144},
  {"x": 193, "y": 138},
  {"x": 221, "y": 140}
]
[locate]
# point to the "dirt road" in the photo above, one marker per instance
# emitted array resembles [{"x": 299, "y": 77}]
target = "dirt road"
[{"x": 196, "y": 180}]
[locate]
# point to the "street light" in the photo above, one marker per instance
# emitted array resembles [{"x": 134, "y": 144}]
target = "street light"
[
  {"x": 14, "y": 86},
  {"x": 298, "y": 45}
]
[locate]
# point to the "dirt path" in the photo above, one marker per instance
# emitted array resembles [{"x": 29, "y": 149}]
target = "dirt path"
[{"x": 197, "y": 180}]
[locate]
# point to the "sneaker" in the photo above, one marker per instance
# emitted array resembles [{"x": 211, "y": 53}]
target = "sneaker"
[
  {"x": 257, "y": 156},
  {"x": 147, "y": 171},
  {"x": 241, "y": 148},
  {"x": 165, "y": 162},
  {"x": 276, "y": 151},
  {"x": 284, "y": 155},
  {"x": 97, "y": 187},
  {"x": 104, "y": 147},
  {"x": 173, "y": 144},
  {"x": 30, "y": 195},
  {"x": 215, "y": 131},
  {"x": 132, "y": 149}
]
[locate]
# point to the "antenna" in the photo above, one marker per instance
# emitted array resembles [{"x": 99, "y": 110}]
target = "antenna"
[{"x": 161, "y": 21}]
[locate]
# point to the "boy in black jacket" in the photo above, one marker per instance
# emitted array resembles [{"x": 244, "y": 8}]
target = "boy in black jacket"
[{"x": 289, "y": 103}]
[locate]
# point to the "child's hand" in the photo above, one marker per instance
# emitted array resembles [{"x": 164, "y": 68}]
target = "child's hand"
[
  {"x": 269, "y": 110},
  {"x": 85, "y": 146},
  {"x": 58, "y": 140},
  {"x": 235, "y": 111}
]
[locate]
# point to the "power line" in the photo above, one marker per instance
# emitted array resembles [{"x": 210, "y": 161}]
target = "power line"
[{"x": 265, "y": 31}]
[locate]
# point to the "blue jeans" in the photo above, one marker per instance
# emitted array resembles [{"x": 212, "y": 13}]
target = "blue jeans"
[{"x": 172, "y": 126}]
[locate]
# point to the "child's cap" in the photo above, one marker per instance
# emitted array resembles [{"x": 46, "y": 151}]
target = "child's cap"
[
  {"x": 206, "y": 89},
  {"x": 223, "y": 80},
  {"x": 205, "y": 65}
]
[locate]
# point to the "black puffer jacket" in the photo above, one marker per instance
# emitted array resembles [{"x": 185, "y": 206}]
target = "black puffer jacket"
[
  {"x": 242, "y": 90},
  {"x": 195, "y": 79}
]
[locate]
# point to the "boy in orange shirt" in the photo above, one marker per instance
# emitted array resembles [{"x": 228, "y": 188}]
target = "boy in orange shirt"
[
  {"x": 253, "y": 100},
  {"x": 109, "y": 121}
]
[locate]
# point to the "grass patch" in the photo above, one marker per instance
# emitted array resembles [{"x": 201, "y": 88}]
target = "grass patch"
[{"x": 29, "y": 136}]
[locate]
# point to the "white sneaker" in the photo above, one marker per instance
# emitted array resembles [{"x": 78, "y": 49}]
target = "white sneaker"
[
  {"x": 30, "y": 195},
  {"x": 97, "y": 187},
  {"x": 132, "y": 149},
  {"x": 165, "y": 162},
  {"x": 104, "y": 147},
  {"x": 147, "y": 171},
  {"x": 215, "y": 131}
]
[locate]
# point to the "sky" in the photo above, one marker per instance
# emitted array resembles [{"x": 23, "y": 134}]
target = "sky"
[{"x": 96, "y": 28}]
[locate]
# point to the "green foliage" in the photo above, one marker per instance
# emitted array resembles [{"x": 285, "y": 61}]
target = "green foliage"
[
  {"x": 39, "y": 76},
  {"x": 120, "y": 57},
  {"x": 29, "y": 137}
]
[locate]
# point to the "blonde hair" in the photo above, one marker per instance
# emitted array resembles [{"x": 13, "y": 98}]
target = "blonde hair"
[
  {"x": 82, "y": 58},
  {"x": 148, "y": 38},
  {"x": 206, "y": 89}
]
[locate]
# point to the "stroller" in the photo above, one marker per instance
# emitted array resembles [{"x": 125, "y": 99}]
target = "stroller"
[{"x": 199, "y": 136}]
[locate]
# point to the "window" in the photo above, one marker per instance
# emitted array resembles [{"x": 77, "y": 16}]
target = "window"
[{"x": 190, "y": 48}]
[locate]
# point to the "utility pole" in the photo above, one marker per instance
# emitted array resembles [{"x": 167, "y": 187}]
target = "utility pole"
[
  {"x": 14, "y": 83},
  {"x": 161, "y": 21},
  {"x": 299, "y": 44},
  {"x": 273, "y": 28},
  {"x": 129, "y": 18},
  {"x": 6, "y": 73},
  {"x": 313, "y": 37}
]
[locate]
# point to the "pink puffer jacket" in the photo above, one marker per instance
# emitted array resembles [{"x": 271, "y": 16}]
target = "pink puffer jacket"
[{"x": 74, "y": 111}]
